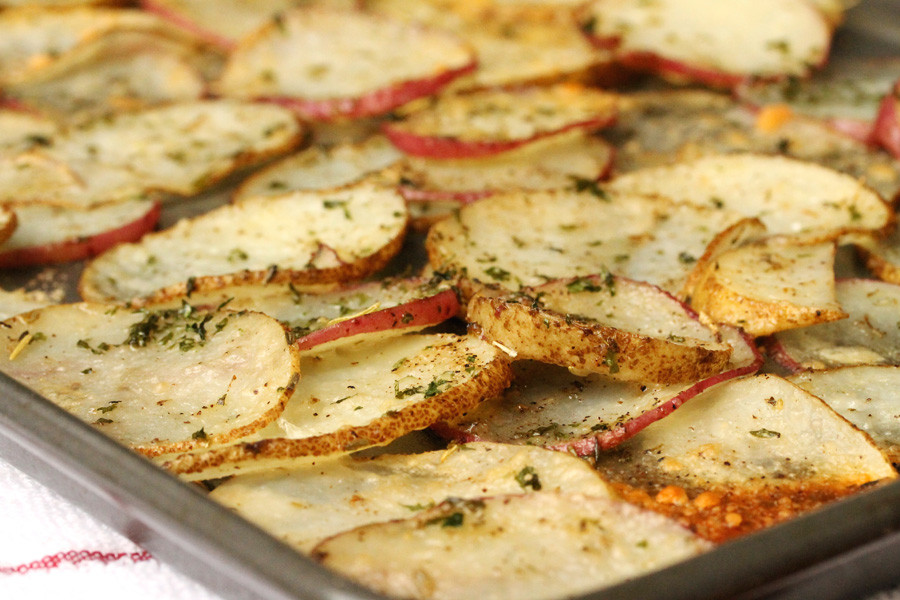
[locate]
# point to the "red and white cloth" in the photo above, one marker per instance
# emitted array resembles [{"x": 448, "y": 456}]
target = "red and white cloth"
[{"x": 52, "y": 549}]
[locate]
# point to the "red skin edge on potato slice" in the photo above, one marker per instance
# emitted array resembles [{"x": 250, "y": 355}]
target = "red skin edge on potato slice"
[
  {"x": 612, "y": 438},
  {"x": 377, "y": 102},
  {"x": 886, "y": 129},
  {"x": 444, "y": 147},
  {"x": 779, "y": 354},
  {"x": 80, "y": 248},
  {"x": 416, "y": 313},
  {"x": 179, "y": 20}
]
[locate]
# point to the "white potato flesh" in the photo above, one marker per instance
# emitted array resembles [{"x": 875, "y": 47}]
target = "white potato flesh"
[
  {"x": 869, "y": 335},
  {"x": 768, "y": 286},
  {"x": 142, "y": 78},
  {"x": 787, "y": 195},
  {"x": 297, "y": 232},
  {"x": 42, "y": 224},
  {"x": 754, "y": 432},
  {"x": 14, "y": 302},
  {"x": 864, "y": 395},
  {"x": 158, "y": 382},
  {"x": 553, "y": 162},
  {"x": 525, "y": 239},
  {"x": 365, "y": 392},
  {"x": 497, "y": 115},
  {"x": 318, "y": 168},
  {"x": 532, "y": 547},
  {"x": 303, "y": 505},
  {"x": 660, "y": 128},
  {"x": 20, "y": 130},
  {"x": 34, "y": 40},
  {"x": 365, "y": 53},
  {"x": 764, "y": 38}
]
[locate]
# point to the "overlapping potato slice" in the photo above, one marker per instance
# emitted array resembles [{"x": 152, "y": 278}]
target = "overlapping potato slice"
[
  {"x": 532, "y": 546},
  {"x": 223, "y": 22},
  {"x": 551, "y": 407},
  {"x": 744, "y": 455},
  {"x": 160, "y": 381},
  {"x": 178, "y": 149},
  {"x": 147, "y": 76},
  {"x": 789, "y": 196},
  {"x": 485, "y": 122},
  {"x": 516, "y": 43},
  {"x": 602, "y": 324},
  {"x": 525, "y": 239},
  {"x": 36, "y": 41},
  {"x": 315, "y": 316},
  {"x": 869, "y": 335},
  {"x": 21, "y": 131},
  {"x": 771, "y": 285},
  {"x": 318, "y": 168},
  {"x": 882, "y": 255},
  {"x": 19, "y": 300},
  {"x": 303, "y": 505},
  {"x": 46, "y": 234},
  {"x": 300, "y": 237},
  {"x": 366, "y": 392},
  {"x": 369, "y": 65},
  {"x": 718, "y": 44},
  {"x": 664, "y": 127},
  {"x": 553, "y": 162},
  {"x": 865, "y": 395}
]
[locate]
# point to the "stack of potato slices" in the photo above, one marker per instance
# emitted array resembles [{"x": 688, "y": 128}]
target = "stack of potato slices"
[{"x": 474, "y": 281}]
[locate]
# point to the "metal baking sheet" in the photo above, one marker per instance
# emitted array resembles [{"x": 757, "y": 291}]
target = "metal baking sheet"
[{"x": 849, "y": 549}]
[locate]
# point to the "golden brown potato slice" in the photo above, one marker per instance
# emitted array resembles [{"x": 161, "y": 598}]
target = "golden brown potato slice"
[
  {"x": 300, "y": 237},
  {"x": 157, "y": 381},
  {"x": 366, "y": 392},
  {"x": 743, "y": 455},
  {"x": 530, "y": 547},
  {"x": 770, "y": 285},
  {"x": 304, "y": 504}
]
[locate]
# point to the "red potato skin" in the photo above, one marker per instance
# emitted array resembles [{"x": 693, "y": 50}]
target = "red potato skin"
[
  {"x": 443, "y": 147},
  {"x": 777, "y": 352},
  {"x": 611, "y": 438},
  {"x": 377, "y": 102},
  {"x": 80, "y": 248},
  {"x": 187, "y": 24},
  {"x": 411, "y": 194},
  {"x": 886, "y": 129},
  {"x": 417, "y": 313}
]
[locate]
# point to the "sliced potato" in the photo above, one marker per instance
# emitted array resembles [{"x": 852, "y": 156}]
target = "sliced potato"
[
  {"x": 481, "y": 123},
  {"x": 771, "y": 285},
  {"x": 552, "y": 407},
  {"x": 46, "y": 234},
  {"x": 554, "y": 162},
  {"x": 369, "y": 66},
  {"x": 664, "y": 127},
  {"x": 744, "y": 455},
  {"x": 532, "y": 546},
  {"x": 886, "y": 129},
  {"x": 869, "y": 335},
  {"x": 527, "y": 238},
  {"x": 303, "y": 505},
  {"x": 316, "y": 316},
  {"x": 18, "y": 301},
  {"x": 363, "y": 393},
  {"x": 21, "y": 130},
  {"x": 161, "y": 381},
  {"x": 864, "y": 395},
  {"x": 717, "y": 44},
  {"x": 301, "y": 237},
  {"x": 788, "y": 196},
  {"x": 602, "y": 324},
  {"x": 319, "y": 168}
]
